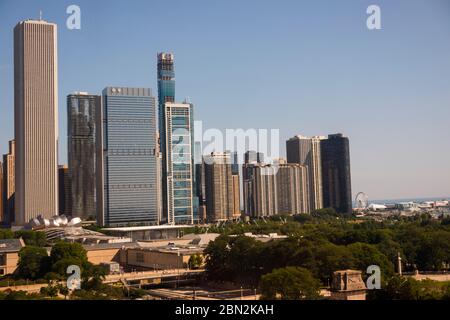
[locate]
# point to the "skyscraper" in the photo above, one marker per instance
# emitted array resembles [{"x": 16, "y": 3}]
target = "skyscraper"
[
  {"x": 126, "y": 158},
  {"x": 260, "y": 190},
  {"x": 9, "y": 182},
  {"x": 178, "y": 170},
  {"x": 2, "y": 211},
  {"x": 176, "y": 128},
  {"x": 234, "y": 163},
  {"x": 253, "y": 157},
  {"x": 337, "y": 190},
  {"x": 306, "y": 151},
  {"x": 166, "y": 93},
  {"x": 249, "y": 173},
  {"x": 64, "y": 191},
  {"x": 236, "y": 196},
  {"x": 35, "y": 119},
  {"x": 271, "y": 190},
  {"x": 81, "y": 113},
  {"x": 292, "y": 189},
  {"x": 219, "y": 187}
]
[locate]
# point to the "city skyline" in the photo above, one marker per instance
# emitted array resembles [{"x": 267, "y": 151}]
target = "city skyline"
[{"x": 383, "y": 166}]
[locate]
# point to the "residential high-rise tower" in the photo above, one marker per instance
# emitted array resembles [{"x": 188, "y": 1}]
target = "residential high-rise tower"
[
  {"x": 9, "y": 183},
  {"x": 306, "y": 151},
  {"x": 81, "y": 114},
  {"x": 336, "y": 177}
]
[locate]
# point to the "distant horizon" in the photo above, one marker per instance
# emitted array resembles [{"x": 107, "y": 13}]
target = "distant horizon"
[{"x": 304, "y": 67}]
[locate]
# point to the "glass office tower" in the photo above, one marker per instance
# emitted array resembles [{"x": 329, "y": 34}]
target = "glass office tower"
[
  {"x": 166, "y": 93},
  {"x": 81, "y": 110},
  {"x": 126, "y": 158},
  {"x": 178, "y": 167},
  {"x": 176, "y": 123}
]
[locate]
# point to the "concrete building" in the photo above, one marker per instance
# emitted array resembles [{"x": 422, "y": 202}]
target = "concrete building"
[
  {"x": 81, "y": 113},
  {"x": 64, "y": 191},
  {"x": 9, "y": 183},
  {"x": 9, "y": 255},
  {"x": 161, "y": 258},
  {"x": 35, "y": 119},
  {"x": 336, "y": 177},
  {"x": 260, "y": 190},
  {"x": 306, "y": 151},
  {"x": 147, "y": 233},
  {"x": 108, "y": 252},
  {"x": 292, "y": 189},
  {"x": 236, "y": 196},
  {"x": 126, "y": 158},
  {"x": 271, "y": 190},
  {"x": 253, "y": 157},
  {"x": 219, "y": 187},
  {"x": 348, "y": 285}
]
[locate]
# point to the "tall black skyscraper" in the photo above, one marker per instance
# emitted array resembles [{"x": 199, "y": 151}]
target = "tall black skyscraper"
[
  {"x": 64, "y": 192},
  {"x": 336, "y": 179},
  {"x": 81, "y": 111}
]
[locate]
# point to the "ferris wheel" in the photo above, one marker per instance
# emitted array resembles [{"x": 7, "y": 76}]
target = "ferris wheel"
[{"x": 361, "y": 201}]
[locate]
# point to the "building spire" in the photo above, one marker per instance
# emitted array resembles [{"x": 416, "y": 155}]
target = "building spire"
[{"x": 40, "y": 15}]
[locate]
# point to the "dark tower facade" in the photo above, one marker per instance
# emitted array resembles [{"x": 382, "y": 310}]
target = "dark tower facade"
[
  {"x": 81, "y": 110},
  {"x": 336, "y": 178}
]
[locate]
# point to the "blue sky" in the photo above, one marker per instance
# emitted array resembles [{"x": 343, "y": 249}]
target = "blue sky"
[{"x": 305, "y": 67}]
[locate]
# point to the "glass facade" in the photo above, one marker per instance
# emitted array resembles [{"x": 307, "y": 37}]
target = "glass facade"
[
  {"x": 336, "y": 177},
  {"x": 179, "y": 203},
  {"x": 166, "y": 93},
  {"x": 81, "y": 110},
  {"x": 179, "y": 164},
  {"x": 129, "y": 157}
]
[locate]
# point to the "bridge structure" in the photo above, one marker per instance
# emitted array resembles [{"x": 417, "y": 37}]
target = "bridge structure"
[{"x": 155, "y": 277}]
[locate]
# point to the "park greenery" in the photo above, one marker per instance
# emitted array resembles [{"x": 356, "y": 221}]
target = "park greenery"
[
  {"x": 31, "y": 238},
  {"x": 37, "y": 266},
  {"x": 325, "y": 242}
]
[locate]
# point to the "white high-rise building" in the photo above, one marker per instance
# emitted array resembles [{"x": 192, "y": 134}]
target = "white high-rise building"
[{"x": 35, "y": 119}]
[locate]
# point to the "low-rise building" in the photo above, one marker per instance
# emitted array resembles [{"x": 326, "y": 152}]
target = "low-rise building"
[
  {"x": 9, "y": 255},
  {"x": 108, "y": 252}
]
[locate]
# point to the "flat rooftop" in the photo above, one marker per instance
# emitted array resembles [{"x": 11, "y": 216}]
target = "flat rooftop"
[{"x": 148, "y": 228}]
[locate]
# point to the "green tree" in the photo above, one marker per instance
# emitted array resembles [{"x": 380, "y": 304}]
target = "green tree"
[
  {"x": 64, "y": 254},
  {"x": 6, "y": 234},
  {"x": 32, "y": 238},
  {"x": 195, "y": 261},
  {"x": 33, "y": 262},
  {"x": 216, "y": 253},
  {"x": 62, "y": 250},
  {"x": 63, "y": 290},
  {"x": 290, "y": 283},
  {"x": 49, "y": 291},
  {"x": 365, "y": 255}
]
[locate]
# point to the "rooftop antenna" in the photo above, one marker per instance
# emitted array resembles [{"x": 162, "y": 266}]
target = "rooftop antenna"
[{"x": 40, "y": 15}]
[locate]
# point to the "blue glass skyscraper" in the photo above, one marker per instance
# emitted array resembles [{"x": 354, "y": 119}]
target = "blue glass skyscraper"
[
  {"x": 126, "y": 158},
  {"x": 179, "y": 199}
]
